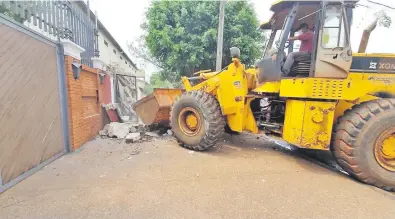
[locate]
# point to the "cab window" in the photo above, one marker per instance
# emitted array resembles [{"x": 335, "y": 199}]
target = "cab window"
[
  {"x": 334, "y": 31},
  {"x": 272, "y": 46}
]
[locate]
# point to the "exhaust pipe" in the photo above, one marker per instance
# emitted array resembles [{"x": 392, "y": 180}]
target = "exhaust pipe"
[{"x": 366, "y": 35}]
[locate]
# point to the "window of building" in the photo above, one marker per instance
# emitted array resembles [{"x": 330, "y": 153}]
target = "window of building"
[
  {"x": 105, "y": 43},
  {"x": 130, "y": 66},
  {"x": 120, "y": 57},
  {"x": 114, "y": 51},
  {"x": 126, "y": 62}
]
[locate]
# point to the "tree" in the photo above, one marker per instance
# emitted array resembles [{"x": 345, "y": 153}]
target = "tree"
[
  {"x": 156, "y": 81},
  {"x": 181, "y": 36}
]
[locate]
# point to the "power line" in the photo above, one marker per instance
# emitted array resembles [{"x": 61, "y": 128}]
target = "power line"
[{"x": 378, "y": 3}]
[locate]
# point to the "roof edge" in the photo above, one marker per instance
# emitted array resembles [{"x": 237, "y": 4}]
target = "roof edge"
[{"x": 102, "y": 27}]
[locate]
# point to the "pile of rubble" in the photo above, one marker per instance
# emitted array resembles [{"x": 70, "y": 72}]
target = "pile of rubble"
[{"x": 133, "y": 132}]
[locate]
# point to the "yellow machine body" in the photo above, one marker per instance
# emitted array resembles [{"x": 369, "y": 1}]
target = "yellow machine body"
[
  {"x": 230, "y": 88},
  {"x": 308, "y": 124},
  {"x": 312, "y": 104},
  {"x": 304, "y": 105}
]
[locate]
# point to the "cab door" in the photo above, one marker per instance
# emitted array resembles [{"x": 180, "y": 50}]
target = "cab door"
[{"x": 334, "y": 55}]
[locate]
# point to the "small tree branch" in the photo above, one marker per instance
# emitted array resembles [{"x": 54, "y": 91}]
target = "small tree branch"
[{"x": 140, "y": 53}]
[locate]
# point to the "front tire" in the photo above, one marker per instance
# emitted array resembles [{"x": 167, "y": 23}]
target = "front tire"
[
  {"x": 196, "y": 120},
  {"x": 363, "y": 143}
]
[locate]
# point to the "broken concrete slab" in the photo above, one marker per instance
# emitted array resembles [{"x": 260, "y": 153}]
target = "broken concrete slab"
[
  {"x": 133, "y": 137},
  {"x": 135, "y": 124},
  {"x": 103, "y": 133},
  {"x": 141, "y": 129},
  {"x": 169, "y": 132},
  {"x": 106, "y": 127},
  {"x": 132, "y": 129},
  {"x": 118, "y": 130},
  {"x": 125, "y": 118},
  {"x": 152, "y": 134}
]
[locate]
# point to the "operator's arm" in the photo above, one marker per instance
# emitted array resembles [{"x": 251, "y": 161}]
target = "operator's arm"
[
  {"x": 303, "y": 36},
  {"x": 293, "y": 38}
]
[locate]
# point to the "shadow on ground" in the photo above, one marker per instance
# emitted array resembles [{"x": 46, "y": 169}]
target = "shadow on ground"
[{"x": 232, "y": 144}]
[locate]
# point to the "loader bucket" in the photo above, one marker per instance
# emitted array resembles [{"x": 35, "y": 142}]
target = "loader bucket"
[{"x": 155, "y": 108}]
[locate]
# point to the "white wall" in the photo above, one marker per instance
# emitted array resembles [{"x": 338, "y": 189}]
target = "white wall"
[
  {"x": 106, "y": 52},
  {"x": 40, "y": 31},
  {"x": 108, "y": 56}
]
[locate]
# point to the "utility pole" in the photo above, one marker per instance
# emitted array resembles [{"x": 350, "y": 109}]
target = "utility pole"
[{"x": 220, "y": 39}]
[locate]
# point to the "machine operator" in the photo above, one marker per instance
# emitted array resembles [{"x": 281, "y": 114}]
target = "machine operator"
[{"x": 306, "y": 37}]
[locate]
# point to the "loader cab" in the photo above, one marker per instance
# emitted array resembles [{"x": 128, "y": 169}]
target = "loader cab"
[{"x": 331, "y": 55}]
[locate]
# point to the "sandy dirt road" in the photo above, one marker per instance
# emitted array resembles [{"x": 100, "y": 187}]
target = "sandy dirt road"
[{"x": 244, "y": 177}]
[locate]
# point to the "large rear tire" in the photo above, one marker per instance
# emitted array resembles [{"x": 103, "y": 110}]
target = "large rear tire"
[
  {"x": 362, "y": 143},
  {"x": 196, "y": 120}
]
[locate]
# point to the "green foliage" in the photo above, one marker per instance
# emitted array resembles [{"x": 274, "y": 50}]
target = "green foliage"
[
  {"x": 10, "y": 14},
  {"x": 157, "y": 81},
  {"x": 181, "y": 36},
  {"x": 148, "y": 89}
]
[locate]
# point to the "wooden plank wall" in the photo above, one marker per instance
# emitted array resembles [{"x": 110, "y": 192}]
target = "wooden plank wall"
[{"x": 30, "y": 118}]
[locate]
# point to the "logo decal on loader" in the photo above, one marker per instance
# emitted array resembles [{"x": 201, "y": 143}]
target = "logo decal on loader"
[
  {"x": 387, "y": 66},
  {"x": 385, "y": 80},
  {"x": 204, "y": 87},
  {"x": 373, "y": 65},
  {"x": 237, "y": 84}
]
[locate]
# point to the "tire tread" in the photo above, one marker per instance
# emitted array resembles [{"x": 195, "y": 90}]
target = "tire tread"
[
  {"x": 348, "y": 129},
  {"x": 212, "y": 115}
]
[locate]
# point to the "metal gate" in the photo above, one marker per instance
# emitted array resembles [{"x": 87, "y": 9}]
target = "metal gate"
[
  {"x": 126, "y": 96},
  {"x": 33, "y": 108}
]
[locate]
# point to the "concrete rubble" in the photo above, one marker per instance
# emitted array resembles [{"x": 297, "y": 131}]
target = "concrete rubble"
[
  {"x": 118, "y": 130},
  {"x": 104, "y": 132},
  {"x": 132, "y": 129},
  {"x": 133, "y": 133},
  {"x": 152, "y": 134},
  {"x": 133, "y": 137}
]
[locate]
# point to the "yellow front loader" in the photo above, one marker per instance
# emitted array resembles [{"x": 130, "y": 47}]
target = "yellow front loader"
[{"x": 332, "y": 100}]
